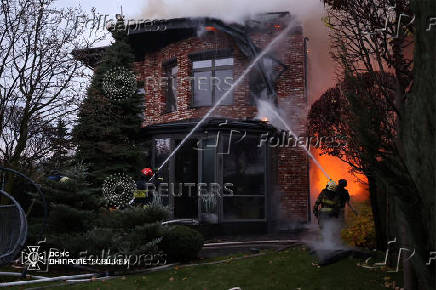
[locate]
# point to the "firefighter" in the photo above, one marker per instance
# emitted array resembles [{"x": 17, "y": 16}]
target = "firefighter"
[
  {"x": 142, "y": 196},
  {"x": 344, "y": 198},
  {"x": 327, "y": 204},
  {"x": 154, "y": 179}
]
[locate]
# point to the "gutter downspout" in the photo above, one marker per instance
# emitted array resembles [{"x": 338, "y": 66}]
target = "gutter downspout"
[
  {"x": 306, "y": 87},
  {"x": 306, "y": 94}
]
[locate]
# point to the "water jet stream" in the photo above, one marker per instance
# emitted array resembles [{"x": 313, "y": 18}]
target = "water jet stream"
[{"x": 304, "y": 147}]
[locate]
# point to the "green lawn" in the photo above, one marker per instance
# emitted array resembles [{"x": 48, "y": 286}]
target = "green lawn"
[{"x": 290, "y": 269}]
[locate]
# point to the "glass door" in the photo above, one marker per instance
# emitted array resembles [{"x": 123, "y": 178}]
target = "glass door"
[{"x": 209, "y": 197}]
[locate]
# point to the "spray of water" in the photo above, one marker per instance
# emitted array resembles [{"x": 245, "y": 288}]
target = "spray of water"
[
  {"x": 277, "y": 39},
  {"x": 266, "y": 108},
  {"x": 326, "y": 244}
]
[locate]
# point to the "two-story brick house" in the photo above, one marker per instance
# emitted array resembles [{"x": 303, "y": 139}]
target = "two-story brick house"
[{"x": 187, "y": 65}]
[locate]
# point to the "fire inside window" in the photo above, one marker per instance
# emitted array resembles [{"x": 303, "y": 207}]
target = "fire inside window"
[{"x": 212, "y": 78}]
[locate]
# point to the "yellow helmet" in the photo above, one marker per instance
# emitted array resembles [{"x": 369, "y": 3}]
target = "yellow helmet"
[
  {"x": 64, "y": 179},
  {"x": 331, "y": 185}
]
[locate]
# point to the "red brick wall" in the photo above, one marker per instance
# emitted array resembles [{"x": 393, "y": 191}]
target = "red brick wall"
[
  {"x": 293, "y": 162},
  {"x": 292, "y": 165},
  {"x": 155, "y": 96}
]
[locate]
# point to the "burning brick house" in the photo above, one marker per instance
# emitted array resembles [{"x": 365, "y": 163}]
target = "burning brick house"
[{"x": 176, "y": 59}]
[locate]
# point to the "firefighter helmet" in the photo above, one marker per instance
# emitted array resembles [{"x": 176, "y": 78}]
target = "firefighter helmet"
[{"x": 331, "y": 185}]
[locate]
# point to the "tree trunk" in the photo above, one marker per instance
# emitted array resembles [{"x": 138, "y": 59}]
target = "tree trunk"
[
  {"x": 417, "y": 140},
  {"x": 377, "y": 197},
  {"x": 411, "y": 232}
]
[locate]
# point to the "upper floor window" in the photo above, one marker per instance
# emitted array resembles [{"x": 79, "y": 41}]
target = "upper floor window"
[
  {"x": 272, "y": 70},
  {"x": 212, "y": 79},
  {"x": 171, "y": 70}
]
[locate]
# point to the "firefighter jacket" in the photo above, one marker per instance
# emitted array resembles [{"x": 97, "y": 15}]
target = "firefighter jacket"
[{"x": 329, "y": 201}]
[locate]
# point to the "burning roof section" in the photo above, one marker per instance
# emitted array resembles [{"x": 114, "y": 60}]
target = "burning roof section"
[{"x": 155, "y": 35}]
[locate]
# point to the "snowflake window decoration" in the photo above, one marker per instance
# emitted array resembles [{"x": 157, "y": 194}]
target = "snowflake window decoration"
[
  {"x": 119, "y": 83},
  {"x": 118, "y": 190}
]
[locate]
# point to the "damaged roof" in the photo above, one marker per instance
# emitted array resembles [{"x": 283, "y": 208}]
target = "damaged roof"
[{"x": 157, "y": 34}]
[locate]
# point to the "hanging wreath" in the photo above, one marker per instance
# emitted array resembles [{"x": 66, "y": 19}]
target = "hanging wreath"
[
  {"x": 119, "y": 83},
  {"x": 118, "y": 190}
]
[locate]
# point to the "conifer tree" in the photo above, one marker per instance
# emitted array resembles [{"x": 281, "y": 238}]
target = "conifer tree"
[
  {"x": 111, "y": 114},
  {"x": 61, "y": 148}
]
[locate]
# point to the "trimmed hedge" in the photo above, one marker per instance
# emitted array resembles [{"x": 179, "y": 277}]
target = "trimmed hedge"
[{"x": 181, "y": 243}]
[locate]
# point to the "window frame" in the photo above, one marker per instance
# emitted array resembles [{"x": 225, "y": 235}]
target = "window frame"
[
  {"x": 277, "y": 69},
  {"x": 168, "y": 66},
  {"x": 212, "y": 56},
  {"x": 218, "y": 172},
  {"x": 265, "y": 195}
]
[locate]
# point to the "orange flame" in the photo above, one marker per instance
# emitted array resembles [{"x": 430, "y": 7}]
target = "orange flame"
[
  {"x": 337, "y": 170},
  {"x": 210, "y": 28}
]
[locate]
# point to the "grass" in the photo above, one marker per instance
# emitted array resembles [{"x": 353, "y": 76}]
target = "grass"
[{"x": 290, "y": 269}]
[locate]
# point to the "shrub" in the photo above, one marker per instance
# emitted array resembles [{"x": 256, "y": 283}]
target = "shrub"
[
  {"x": 132, "y": 217},
  {"x": 65, "y": 219},
  {"x": 99, "y": 239},
  {"x": 74, "y": 243},
  {"x": 155, "y": 213},
  {"x": 360, "y": 230},
  {"x": 91, "y": 242},
  {"x": 143, "y": 239},
  {"x": 181, "y": 243}
]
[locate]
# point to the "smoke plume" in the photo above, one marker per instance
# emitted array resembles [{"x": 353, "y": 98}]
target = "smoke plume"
[
  {"x": 226, "y": 10},
  {"x": 269, "y": 111},
  {"x": 328, "y": 246},
  {"x": 308, "y": 12}
]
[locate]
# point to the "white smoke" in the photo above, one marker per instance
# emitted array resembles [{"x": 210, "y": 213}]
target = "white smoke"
[
  {"x": 227, "y": 10},
  {"x": 269, "y": 111},
  {"x": 330, "y": 236},
  {"x": 327, "y": 245},
  {"x": 309, "y": 13}
]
